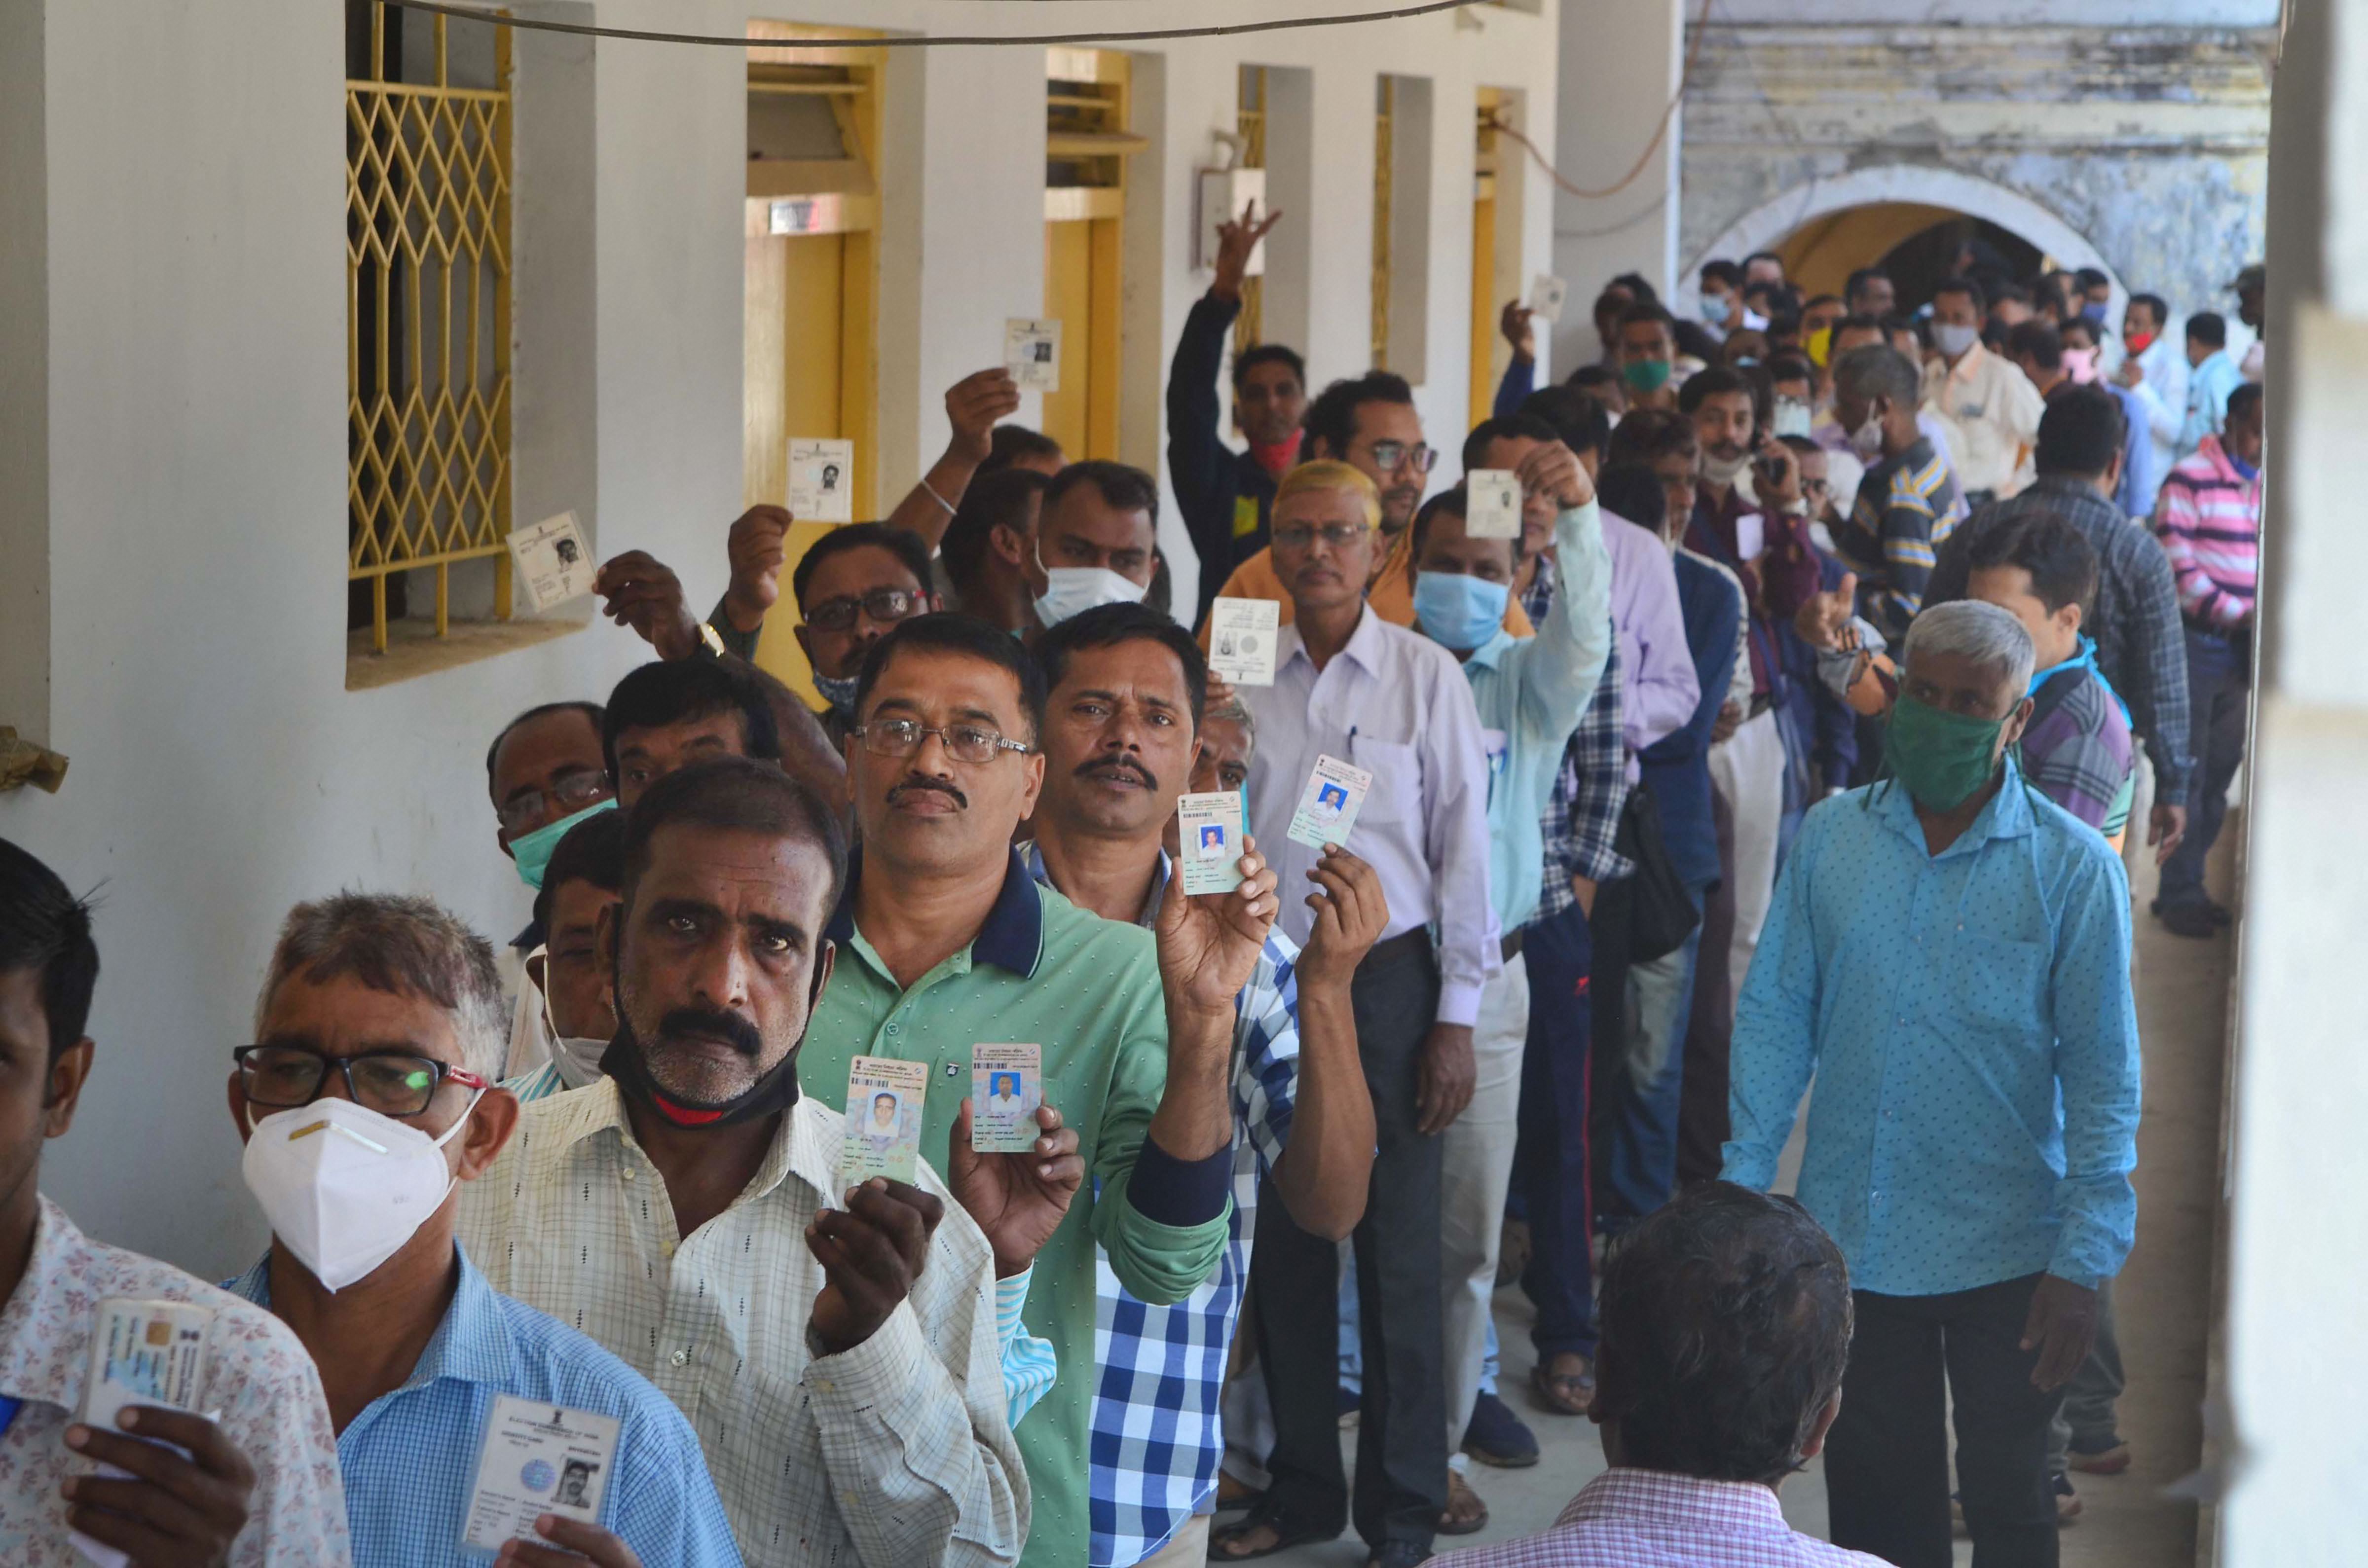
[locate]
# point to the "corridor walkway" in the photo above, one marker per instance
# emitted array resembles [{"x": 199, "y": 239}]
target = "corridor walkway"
[{"x": 2165, "y": 1297}]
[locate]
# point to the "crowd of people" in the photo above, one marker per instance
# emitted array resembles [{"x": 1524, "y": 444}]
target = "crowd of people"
[{"x": 1842, "y": 654}]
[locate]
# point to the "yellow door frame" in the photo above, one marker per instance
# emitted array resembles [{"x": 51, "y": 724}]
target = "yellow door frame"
[{"x": 1088, "y": 106}]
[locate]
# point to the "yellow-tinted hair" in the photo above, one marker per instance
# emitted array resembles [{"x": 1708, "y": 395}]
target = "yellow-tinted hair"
[{"x": 1326, "y": 474}]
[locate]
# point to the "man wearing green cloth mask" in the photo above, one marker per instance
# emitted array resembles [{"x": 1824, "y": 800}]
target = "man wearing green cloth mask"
[
  {"x": 1648, "y": 348},
  {"x": 1949, "y": 956}
]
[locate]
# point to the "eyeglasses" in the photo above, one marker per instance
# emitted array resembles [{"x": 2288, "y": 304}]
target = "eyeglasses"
[
  {"x": 880, "y": 604},
  {"x": 392, "y": 1083},
  {"x": 1300, "y": 537},
  {"x": 963, "y": 743},
  {"x": 1388, "y": 455},
  {"x": 573, "y": 792}
]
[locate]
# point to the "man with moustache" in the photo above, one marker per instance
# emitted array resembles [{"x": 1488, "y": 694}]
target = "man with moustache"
[
  {"x": 836, "y": 1351},
  {"x": 945, "y": 941}
]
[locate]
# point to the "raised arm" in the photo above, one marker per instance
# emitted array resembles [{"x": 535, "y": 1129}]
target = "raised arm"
[
  {"x": 974, "y": 405},
  {"x": 1559, "y": 666}
]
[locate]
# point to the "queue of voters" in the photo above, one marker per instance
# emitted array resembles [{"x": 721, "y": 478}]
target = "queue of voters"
[{"x": 1015, "y": 1112}]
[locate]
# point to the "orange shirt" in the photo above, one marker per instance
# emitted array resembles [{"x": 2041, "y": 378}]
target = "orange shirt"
[{"x": 1391, "y": 595}]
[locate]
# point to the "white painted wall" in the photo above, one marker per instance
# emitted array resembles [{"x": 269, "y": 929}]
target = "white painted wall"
[
  {"x": 192, "y": 471},
  {"x": 1621, "y": 63},
  {"x": 2010, "y": 12}
]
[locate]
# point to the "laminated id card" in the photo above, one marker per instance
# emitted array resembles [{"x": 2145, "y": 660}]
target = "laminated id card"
[
  {"x": 1031, "y": 351},
  {"x": 144, "y": 1353},
  {"x": 822, "y": 481},
  {"x": 1007, "y": 1085},
  {"x": 1209, "y": 833},
  {"x": 538, "y": 1459},
  {"x": 883, "y": 1120},
  {"x": 553, "y": 561},
  {"x": 1242, "y": 634},
  {"x": 1492, "y": 504},
  {"x": 1546, "y": 295},
  {"x": 1329, "y": 806}
]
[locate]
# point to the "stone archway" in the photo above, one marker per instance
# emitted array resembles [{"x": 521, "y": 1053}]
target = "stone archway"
[{"x": 1922, "y": 184}]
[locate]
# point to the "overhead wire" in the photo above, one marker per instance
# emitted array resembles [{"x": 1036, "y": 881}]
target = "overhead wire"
[
  {"x": 936, "y": 40},
  {"x": 1660, "y": 128}
]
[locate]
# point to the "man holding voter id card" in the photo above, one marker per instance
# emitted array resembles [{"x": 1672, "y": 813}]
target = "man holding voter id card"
[
  {"x": 1122, "y": 741},
  {"x": 243, "y": 1464},
  {"x": 836, "y": 1350},
  {"x": 365, "y": 1105},
  {"x": 945, "y": 946},
  {"x": 1387, "y": 716}
]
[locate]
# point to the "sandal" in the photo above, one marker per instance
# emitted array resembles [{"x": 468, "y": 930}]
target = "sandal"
[
  {"x": 1563, "y": 1394},
  {"x": 1267, "y": 1519},
  {"x": 1465, "y": 1513}
]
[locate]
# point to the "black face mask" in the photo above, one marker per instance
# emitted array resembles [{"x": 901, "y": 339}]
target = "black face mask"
[{"x": 775, "y": 1090}]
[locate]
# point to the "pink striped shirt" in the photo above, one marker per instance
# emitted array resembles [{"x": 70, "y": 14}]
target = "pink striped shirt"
[
  {"x": 2208, "y": 516},
  {"x": 1650, "y": 1519}
]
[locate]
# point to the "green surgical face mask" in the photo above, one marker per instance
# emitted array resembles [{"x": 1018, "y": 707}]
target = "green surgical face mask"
[
  {"x": 532, "y": 852},
  {"x": 1942, "y": 757},
  {"x": 1645, "y": 375}
]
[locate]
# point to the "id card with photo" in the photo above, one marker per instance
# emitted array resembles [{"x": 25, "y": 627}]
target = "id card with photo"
[
  {"x": 1031, "y": 351},
  {"x": 1007, "y": 1085},
  {"x": 553, "y": 561},
  {"x": 1492, "y": 504},
  {"x": 1242, "y": 634},
  {"x": 1209, "y": 833},
  {"x": 1329, "y": 806},
  {"x": 144, "y": 1353},
  {"x": 1546, "y": 295},
  {"x": 822, "y": 481},
  {"x": 883, "y": 1120},
  {"x": 538, "y": 1459}
]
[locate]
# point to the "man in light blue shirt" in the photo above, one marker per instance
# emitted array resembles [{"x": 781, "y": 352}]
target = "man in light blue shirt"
[
  {"x": 2212, "y": 376},
  {"x": 1531, "y": 694},
  {"x": 1949, "y": 956},
  {"x": 381, "y": 1017}
]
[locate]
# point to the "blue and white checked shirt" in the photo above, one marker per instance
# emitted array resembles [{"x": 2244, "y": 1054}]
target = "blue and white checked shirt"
[
  {"x": 410, "y": 1458},
  {"x": 1968, "y": 1019},
  {"x": 1582, "y": 816},
  {"x": 1157, "y": 1438}
]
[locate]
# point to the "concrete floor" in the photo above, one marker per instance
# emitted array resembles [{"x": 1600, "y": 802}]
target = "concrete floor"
[{"x": 2164, "y": 1297}]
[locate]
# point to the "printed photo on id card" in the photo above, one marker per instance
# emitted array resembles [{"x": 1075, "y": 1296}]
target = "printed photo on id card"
[
  {"x": 883, "y": 1120},
  {"x": 1209, "y": 833},
  {"x": 1492, "y": 504},
  {"x": 1007, "y": 1085},
  {"x": 552, "y": 560},
  {"x": 538, "y": 1459},
  {"x": 1329, "y": 806}
]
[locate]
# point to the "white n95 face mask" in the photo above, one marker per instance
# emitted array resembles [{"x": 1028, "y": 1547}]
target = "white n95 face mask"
[
  {"x": 344, "y": 1186},
  {"x": 1073, "y": 590},
  {"x": 577, "y": 1059}
]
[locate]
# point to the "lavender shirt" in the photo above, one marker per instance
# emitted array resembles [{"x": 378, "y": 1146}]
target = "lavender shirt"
[{"x": 1658, "y": 687}]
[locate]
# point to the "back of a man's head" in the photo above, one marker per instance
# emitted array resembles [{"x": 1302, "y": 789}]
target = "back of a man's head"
[
  {"x": 2080, "y": 434},
  {"x": 1726, "y": 1327},
  {"x": 45, "y": 931}
]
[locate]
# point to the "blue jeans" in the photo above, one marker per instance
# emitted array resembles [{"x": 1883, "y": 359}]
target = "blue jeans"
[
  {"x": 1640, "y": 1169},
  {"x": 1550, "y": 1158},
  {"x": 2219, "y": 683}
]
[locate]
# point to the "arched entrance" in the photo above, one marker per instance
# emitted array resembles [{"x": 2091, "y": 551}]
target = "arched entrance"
[{"x": 1852, "y": 219}]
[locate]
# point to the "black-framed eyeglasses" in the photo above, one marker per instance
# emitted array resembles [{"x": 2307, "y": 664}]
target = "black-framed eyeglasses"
[
  {"x": 573, "y": 792},
  {"x": 880, "y": 604},
  {"x": 1388, "y": 455},
  {"x": 963, "y": 743},
  {"x": 392, "y": 1083},
  {"x": 1296, "y": 537}
]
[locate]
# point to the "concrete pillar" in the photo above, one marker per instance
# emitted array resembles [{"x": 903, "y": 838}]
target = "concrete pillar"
[
  {"x": 2296, "y": 1362},
  {"x": 1621, "y": 60}
]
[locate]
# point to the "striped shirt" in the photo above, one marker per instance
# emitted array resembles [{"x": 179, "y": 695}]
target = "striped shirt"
[
  {"x": 2077, "y": 746},
  {"x": 1902, "y": 514},
  {"x": 2208, "y": 516},
  {"x": 1160, "y": 1371}
]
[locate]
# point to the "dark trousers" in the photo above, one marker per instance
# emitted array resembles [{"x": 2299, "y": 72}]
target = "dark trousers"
[
  {"x": 2219, "y": 683},
  {"x": 1550, "y": 1158},
  {"x": 1709, "y": 1029},
  {"x": 1401, "y": 1486},
  {"x": 1607, "y": 999},
  {"x": 1887, "y": 1457}
]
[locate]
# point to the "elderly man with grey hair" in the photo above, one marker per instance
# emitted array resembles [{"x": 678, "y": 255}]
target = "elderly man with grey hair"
[
  {"x": 1949, "y": 956},
  {"x": 366, "y": 1100}
]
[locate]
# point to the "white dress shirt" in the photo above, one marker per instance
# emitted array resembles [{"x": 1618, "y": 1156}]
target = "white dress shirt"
[
  {"x": 2163, "y": 395},
  {"x": 1991, "y": 412},
  {"x": 892, "y": 1454},
  {"x": 1395, "y": 704}
]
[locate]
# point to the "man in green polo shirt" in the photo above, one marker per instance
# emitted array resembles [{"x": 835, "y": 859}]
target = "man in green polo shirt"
[{"x": 946, "y": 942}]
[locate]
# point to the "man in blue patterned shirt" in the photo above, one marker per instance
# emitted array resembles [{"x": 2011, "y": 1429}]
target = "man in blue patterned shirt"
[
  {"x": 390, "y": 1008},
  {"x": 1949, "y": 956},
  {"x": 1127, "y": 685}
]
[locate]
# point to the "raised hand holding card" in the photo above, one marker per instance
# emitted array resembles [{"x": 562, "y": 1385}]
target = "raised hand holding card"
[
  {"x": 1007, "y": 1085},
  {"x": 1492, "y": 504},
  {"x": 1329, "y": 806},
  {"x": 883, "y": 1120},
  {"x": 1242, "y": 634},
  {"x": 1208, "y": 830}
]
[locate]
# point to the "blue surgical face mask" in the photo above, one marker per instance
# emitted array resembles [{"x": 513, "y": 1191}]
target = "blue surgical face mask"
[
  {"x": 838, "y": 691},
  {"x": 1458, "y": 610},
  {"x": 2094, "y": 310},
  {"x": 532, "y": 852},
  {"x": 1716, "y": 308}
]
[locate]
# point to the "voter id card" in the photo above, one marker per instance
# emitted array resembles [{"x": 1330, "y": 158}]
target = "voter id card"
[
  {"x": 1329, "y": 806},
  {"x": 1209, "y": 832},
  {"x": 1007, "y": 1084},
  {"x": 883, "y": 1120},
  {"x": 1031, "y": 351},
  {"x": 538, "y": 1459},
  {"x": 553, "y": 561},
  {"x": 1546, "y": 295},
  {"x": 144, "y": 1353},
  {"x": 1492, "y": 504},
  {"x": 1242, "y": 634},
  {"x": 822, "y": 481}
]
